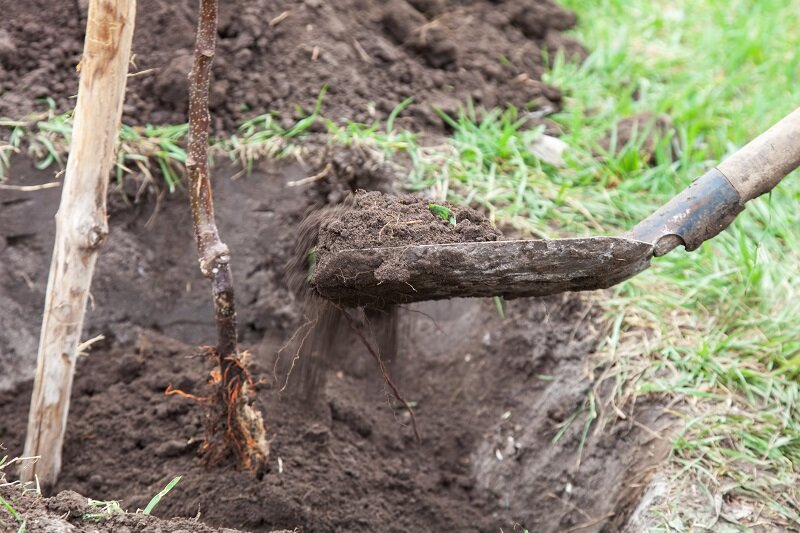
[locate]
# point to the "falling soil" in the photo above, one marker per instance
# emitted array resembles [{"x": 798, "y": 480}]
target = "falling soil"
[
  {"x": 490, "y": 394},
  {"x": 275, "y": 54}
]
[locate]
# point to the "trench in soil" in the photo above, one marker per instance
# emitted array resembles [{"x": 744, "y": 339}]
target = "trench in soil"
[{"x": 490, "y": 394}]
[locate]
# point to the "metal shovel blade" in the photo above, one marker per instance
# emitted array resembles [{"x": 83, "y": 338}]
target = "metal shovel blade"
[{"x": 511, "y": 269}]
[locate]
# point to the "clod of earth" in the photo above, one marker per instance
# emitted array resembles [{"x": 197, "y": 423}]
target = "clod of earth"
[{"x": 376, "y": 220}]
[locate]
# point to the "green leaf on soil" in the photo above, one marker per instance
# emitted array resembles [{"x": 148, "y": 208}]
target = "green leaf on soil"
[
  {"x": 443, "y": 212},
  {"x": 157, "y": 497},
  {"x": 13, "y": 512}
]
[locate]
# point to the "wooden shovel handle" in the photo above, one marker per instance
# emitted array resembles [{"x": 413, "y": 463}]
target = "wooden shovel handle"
[
  {"x": 762, "y": 163},
  {"x": 712, "y": 202}
]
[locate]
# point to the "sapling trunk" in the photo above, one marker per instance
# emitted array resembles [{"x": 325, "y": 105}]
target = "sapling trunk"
[{"x": 231, "y": 412}]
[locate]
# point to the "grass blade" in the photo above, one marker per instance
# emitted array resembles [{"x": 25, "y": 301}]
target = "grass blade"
[{"x": 157, "y": 497}]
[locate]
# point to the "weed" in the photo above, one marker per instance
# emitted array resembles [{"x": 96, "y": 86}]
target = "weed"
[
  {"x": 150, "y": 151},
  {"x": 5, "y": 504},
  {"x": 44, "y": 137},
  {"x": 105, "y": 509},
  {"x": 443, "y": 212},
  {"x": 157, "y": 498},
  {"x": 19, "y": 518}
]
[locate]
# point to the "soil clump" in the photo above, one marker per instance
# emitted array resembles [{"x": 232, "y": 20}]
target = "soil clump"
[
  {"x": 374, "y": 220},
  {"x": 377, "y": 220},
  {"x": 273, "y": 55}
]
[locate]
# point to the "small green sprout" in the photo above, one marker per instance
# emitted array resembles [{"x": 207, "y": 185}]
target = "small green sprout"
[
  {"x": 498, "y": 303},
  {"x": 443, "y": 212},
  {"x": 13, "y": 512},
  {"x": 157, "y": 497},
  {"x": 105, "y": 509}
]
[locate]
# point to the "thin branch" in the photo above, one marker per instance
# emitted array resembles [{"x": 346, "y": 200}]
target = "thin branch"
[{"x": 375, "y": 355}]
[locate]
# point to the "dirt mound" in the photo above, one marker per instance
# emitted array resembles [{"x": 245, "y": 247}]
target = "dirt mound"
[
  {"x": 503, "y": 401},
  {"x": 274, "y": 55},
  {"x": 490, "y": 396},
  {"x": 69, "y": 511}
]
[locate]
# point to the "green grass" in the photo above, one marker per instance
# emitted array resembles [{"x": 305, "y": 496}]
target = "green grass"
[
  {"x": 106, "y": 509},
  {"x": 5, "y": 505},
  {"x": 718, "y": 328},
  {"x": 14, "y": 514},
  {"x": 151, "y": 152},
  {"x": 163, "y": 492}
]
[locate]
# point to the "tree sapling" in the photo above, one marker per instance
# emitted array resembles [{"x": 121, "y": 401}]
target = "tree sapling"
[{"x": 233, "y": 423}]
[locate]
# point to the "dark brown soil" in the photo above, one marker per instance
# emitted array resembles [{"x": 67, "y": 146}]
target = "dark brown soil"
[
  {"x": 69, "y": 511},
  {"x": 490, "y": 394},
  {"x": 377, "y": 220},
  {"x": 276, "y": 54}
]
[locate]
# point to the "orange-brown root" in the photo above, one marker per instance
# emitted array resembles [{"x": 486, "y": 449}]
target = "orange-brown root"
[
  {"x": 177, "y": 392},
  {"x": 233, "y": 424}
]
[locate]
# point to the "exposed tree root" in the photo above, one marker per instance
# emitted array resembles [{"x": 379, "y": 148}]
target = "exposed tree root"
[
  {"x": 384, "y": 372},
  {"x": 232, "y": 424}
]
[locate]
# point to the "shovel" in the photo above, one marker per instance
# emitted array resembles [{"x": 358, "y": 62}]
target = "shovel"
[{"x": 518, "y": 268}]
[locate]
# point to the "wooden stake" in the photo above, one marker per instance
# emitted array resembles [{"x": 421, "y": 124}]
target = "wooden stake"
[{"x": 81, "y": 229}]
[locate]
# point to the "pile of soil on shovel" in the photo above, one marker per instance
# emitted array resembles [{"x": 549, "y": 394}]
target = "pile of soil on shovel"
[
  {"x": 378, "y": 220},
  {"x": 275, "y": 54},
  {"x": 490, "y": 393}
]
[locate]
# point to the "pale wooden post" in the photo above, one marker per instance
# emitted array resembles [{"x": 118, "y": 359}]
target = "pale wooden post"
[{"x": 81, "y": 229}]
